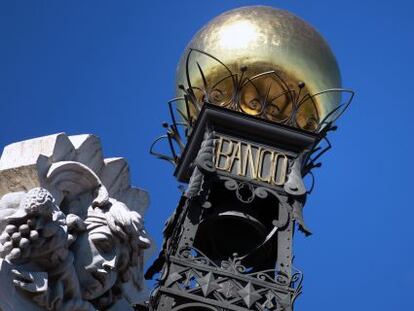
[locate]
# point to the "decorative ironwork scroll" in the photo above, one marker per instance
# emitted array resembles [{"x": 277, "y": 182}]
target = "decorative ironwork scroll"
[{"x": 230, "y": 285}]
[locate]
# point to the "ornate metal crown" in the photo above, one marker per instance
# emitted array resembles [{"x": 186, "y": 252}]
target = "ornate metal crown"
[{"x": 265, "y": 96}]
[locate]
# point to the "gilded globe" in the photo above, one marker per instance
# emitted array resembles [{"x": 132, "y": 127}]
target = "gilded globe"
[{"x": 265, "y": 60}]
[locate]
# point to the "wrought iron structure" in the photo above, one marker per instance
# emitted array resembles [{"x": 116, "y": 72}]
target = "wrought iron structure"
[
  {"x": 286, "y": 108},
  {"x": 228, "y": 245}
]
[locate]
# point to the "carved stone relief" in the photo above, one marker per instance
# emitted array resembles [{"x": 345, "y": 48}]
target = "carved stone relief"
[{"x": 71, "y": 227}]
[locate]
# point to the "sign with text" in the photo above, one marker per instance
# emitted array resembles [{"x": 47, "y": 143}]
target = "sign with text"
[{"x": 252, "y": 161}]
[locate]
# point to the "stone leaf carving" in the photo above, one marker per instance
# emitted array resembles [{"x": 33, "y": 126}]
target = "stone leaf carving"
[{"x": 71, "y": 227}]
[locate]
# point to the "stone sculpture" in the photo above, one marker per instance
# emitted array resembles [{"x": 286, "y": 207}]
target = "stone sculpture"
[{"x": 71, "y": 227}]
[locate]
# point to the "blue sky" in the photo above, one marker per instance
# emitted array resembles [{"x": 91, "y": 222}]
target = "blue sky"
[{"x": 108, "y": 68}]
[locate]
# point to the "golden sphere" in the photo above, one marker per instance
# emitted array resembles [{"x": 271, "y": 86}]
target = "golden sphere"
[{"x": 253, "y": 40}]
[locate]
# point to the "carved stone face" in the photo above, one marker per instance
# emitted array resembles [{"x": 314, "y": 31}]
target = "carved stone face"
[{"x": 97, "y": 253}]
